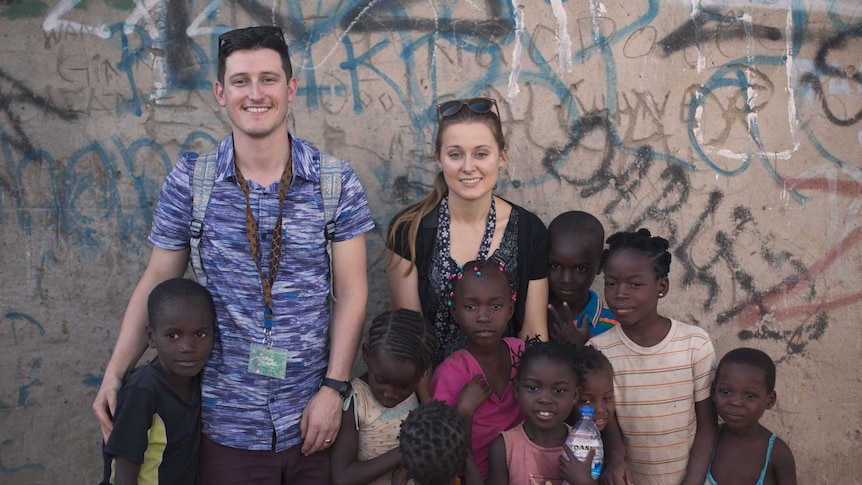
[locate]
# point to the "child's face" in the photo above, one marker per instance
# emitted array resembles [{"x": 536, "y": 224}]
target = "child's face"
[
  {"x": 741, "y": 396},
  {"x": 391, "y": 380},
  {"x": 597, "y": 390},
  {"x": 546, "y": 390},
  {"x": 631, "y": 287},
  {"x": 183, "y": 338},
  {"x": 483, "y": 305},
  {"x": 573, "y": 264}
]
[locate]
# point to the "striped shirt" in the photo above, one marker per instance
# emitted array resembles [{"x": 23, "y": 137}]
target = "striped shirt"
[
  {"x": 240, "y": 409},
  {"x": 655, "y": 389}
]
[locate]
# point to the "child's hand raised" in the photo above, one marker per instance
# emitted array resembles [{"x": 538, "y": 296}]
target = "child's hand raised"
[
  {"x": 574, "y": 471},
  {"x": 473, "y": 395},
  {"x": 563, "y": 328}
]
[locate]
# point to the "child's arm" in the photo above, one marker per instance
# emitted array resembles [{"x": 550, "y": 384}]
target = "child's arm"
[
  {"x": 346, "y": 469},
  {"x": 126, "y": 472},
  {"x": 783, "y": 464},
  {"x": 498, "y": 469},
  {"x": 574, "y": 471},
  {"x": 614, "y": 471},
  {"x": 470, "y": 398},
  {"x": 704, "y": 441},
  {"x": 472, "y": 475}
]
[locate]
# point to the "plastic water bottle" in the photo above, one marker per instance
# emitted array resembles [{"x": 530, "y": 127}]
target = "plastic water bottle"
[{"x": 585, "y": 435}]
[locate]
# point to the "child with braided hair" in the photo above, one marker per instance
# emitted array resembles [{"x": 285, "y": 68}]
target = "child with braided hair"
[
  {"x": 477, "y": 381},
  {"x": 663, "y": 369},
  {"x": 435, "y": 448},
  {"x": 398, "y": 352},
  {"x": 597, "y": 386}
]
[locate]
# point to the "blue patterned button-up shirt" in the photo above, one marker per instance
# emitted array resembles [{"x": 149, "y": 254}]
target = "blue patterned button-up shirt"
[{"x": 240, "y": 409}]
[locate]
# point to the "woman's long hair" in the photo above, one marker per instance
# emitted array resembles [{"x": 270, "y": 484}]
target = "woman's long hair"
[{"x": 412, "y": 217}]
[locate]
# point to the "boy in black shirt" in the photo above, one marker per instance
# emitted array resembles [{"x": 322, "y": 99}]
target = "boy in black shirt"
[{"x": 156, "y": 435}]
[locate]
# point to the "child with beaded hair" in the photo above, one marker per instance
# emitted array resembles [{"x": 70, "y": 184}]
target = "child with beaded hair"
[
  {"x": 662, "y": 372},
  {"x": 435, "y": 448},
  {"x": 398, "y": 352},
  {"x": 477, "y": 381}
]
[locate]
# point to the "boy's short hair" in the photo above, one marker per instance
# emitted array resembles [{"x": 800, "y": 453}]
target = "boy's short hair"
[
  {"x": 753, "y": 357},
  {"x": 434, "y": 445},
  {"x": 251, "y": 38},
  {"x": 575, "y": 223},
  {"x": 177, "y": 289}
]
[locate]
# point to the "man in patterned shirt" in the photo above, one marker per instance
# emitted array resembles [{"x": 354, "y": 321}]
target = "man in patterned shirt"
[{"x": 273, "y": 388}]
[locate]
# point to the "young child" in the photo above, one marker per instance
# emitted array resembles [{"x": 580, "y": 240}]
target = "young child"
[
  {"x": 546, "y": 389},
  {"x": 746, "y": 452},
  {"x": 398, "y": 352},
  {"x": 597, "y": 386},
  {"x": 157, "y": 431},
  {"x": 476, "y": 381},
  {"x": 575, "y": 312},
  {"x": 435, "y": 448},
  {"x": 662, "y": 371}
]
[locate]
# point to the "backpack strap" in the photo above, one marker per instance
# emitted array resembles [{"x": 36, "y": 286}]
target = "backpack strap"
[
  {"x": 202, "y": 187},
  {"x": 330, "y": 189}
]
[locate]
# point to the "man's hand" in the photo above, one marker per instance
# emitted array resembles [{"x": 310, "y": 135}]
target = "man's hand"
[
  {"x": 563, "y": 328},
  {"x": 321, "y": 420},
  {"x": 106, "y": 403}
]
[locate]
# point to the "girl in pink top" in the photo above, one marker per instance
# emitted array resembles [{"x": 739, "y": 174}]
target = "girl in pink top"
[
  {"x": 477, "y": 381},
  {"x": 546, "y": 388}
]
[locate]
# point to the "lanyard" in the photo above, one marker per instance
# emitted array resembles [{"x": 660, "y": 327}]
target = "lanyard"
[{"x": 275, "y": 249}]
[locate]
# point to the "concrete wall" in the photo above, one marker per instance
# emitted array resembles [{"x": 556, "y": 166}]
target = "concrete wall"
[{"x": 731, "y": 128}]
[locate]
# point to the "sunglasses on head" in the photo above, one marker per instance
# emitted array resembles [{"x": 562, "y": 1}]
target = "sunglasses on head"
[
  {"x": 261, "y": 30},
  {"x": 476, "y": 105}
]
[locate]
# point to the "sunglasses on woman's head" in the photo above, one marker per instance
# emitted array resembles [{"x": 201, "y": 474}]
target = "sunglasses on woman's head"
[{"x": 476, "y": 105}]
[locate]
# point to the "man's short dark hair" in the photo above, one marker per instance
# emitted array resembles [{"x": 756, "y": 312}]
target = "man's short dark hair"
[{"x": 251, "y": 38}]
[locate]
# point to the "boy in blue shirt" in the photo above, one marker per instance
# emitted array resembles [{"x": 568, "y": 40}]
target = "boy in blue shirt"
[
  {"x": 575, "y": 312},
  {"x": 157, "y": 430}
]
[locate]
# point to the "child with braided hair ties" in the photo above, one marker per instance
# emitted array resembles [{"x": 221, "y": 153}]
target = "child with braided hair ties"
[
  {"x": 477, "y": 381},
  {"x": 398, "y": 352},
  {"x": 662, "y": 373},
  {"x": 435, "y": 448}
]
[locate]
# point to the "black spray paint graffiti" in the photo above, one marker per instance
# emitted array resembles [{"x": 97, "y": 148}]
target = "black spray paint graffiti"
[
  {"x": 394, "y": 15},
  {"x": 726, "y": 26},
  {"x": 622, "y": 179},
  {"x": 823, "y": 68},
  {"x": 14, "y": 95}
]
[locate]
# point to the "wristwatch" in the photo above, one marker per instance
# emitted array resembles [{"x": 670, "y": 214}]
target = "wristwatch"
[{"x": 343, "y": 387}]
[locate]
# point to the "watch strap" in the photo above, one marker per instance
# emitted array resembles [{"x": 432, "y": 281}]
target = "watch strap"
[{"x": 343, "y": 387}]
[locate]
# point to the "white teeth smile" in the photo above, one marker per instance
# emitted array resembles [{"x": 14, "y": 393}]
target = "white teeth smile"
[
  {"x": 256, "y": 110},
  {"x": 471, "y": 181},
  {"x": 545, "y": 414}
]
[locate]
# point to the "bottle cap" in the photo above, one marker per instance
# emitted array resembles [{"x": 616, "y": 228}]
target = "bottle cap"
[{"x": 587, "y": 411}]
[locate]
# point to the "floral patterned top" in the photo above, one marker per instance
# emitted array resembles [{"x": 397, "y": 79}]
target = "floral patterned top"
[{"x": 449, "y": 335}]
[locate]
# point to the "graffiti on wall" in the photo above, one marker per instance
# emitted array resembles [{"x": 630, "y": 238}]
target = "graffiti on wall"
[{"x": 769, "y": 85}]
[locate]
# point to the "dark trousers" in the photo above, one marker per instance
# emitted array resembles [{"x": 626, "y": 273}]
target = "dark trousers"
[{"x": 222, "y": 465}]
